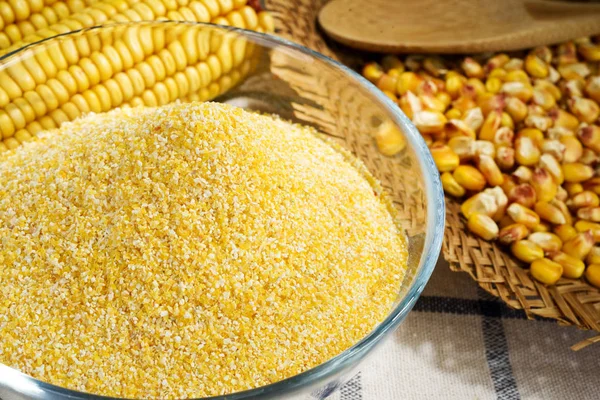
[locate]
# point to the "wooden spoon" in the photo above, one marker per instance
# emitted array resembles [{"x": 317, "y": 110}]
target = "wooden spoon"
[{"x": 456, "y": 26}]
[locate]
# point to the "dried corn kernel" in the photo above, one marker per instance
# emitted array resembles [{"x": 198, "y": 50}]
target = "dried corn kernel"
[
  {"x": 463, "y": 146},
  {"x": 586, "y": 110},
  {"x": 544, "y": 185},
  {"x": 573, "y": 149},
  {"x": 589, "y": 214},
  {"x": 584, "y": 226},
  {"x": 407, "y": 81},
  {"x": 469, "y": 177},
  {"x": 546, "y": 271},
  {"x": 473, "y": 118},
  {"x": 565, "y": 232},
  {"x": 580, "y": 245},
  {"x": 389, "y": 139},
  {"x": 577, "y": 172},
  {"x": 445, "y": 159},
  {"x": 490, "y": 170},
  {"x": 512, "y": 233},
  {"x": 523, "y": 194},
  {"x": 373, "y": 72},
  {"x": 549, "y": 213},
  {"x": 490, "y": 126},
  {"x": 593, "y": 256},
  {"x": 505, "y": 158},
  {"x": 572, "y": 267},
  {"x": 542, "y": 227},
  {"x": 549, "y": 242},
  {"x": 526, "y": 151},
  {"x": 536, "y": 67},
  {"x": 592, "y": 274},
  {"x": 526, "y": 251},
  {"x": 429, "y": 121},
  {"x": 472, "y": 68},
  {"x": 483, "y": 226},
  {"x": 549, "y": 163},
  {"x": 590, "y": 137},
  {"x": 516, "y": 108},
  {"x": 523, "y": 215},
  {"x": 451, "y": 186},
  {"x": 481, "y": 203},
  {"x": 523, "y": 174}
]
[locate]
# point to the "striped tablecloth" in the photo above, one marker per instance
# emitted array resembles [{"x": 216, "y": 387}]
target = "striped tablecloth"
[{"x": 461, "y": 343}]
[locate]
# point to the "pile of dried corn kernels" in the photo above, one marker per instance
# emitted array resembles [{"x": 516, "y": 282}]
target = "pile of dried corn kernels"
[
  {"x": 516, "y": 140},
  {"x": 91, "y": 74}
]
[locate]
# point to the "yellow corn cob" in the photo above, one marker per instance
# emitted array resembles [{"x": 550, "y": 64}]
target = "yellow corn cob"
[
  {"x": 99, "y": 82},
  {"x": 22, "y": 18},
  {"x": 215, "y": 11}
]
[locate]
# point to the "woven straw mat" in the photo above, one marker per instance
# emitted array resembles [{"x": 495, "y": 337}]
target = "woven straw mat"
[{"x": 570, "y": 302}]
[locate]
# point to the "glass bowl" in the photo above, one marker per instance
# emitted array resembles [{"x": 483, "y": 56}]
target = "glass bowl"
[{"x": 251, "y": 70}]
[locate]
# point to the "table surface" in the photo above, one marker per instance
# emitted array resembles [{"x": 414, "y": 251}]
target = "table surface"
[{"x": 461, "y": 343}]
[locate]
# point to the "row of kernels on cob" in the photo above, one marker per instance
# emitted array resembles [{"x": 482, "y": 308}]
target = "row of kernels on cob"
[
  {"x": 46, "y": 86},
  {"x": 19, "y": 18},
  {"x": 76, "y": 15},
  {"x": 518, "y": 139}
]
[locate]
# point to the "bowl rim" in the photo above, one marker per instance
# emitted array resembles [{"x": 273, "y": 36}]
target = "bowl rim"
[{"x": 435, "y": 224}]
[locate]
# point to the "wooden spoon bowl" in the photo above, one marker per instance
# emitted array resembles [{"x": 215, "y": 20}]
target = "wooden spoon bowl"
[{"x": 456, "y": 26}]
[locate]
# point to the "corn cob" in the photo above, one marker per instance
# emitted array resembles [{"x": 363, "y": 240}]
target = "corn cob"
[
  {"x": 79, "y": 74},
  {"x": 224, "y": 12},
  {"x": 528, "y": 127}
]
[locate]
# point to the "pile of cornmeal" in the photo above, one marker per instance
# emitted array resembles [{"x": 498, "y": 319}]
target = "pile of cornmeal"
[{"x": 186, "y": 251}]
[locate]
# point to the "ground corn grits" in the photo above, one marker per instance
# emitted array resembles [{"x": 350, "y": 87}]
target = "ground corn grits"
[{"x": 186, "y": 251}]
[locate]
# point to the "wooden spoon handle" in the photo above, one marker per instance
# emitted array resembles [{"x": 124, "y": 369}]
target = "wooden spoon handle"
[{"x": 560, "y": 8}]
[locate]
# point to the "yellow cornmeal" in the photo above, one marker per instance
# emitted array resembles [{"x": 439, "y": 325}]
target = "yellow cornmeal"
[{"x": 186, "y": 251}]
